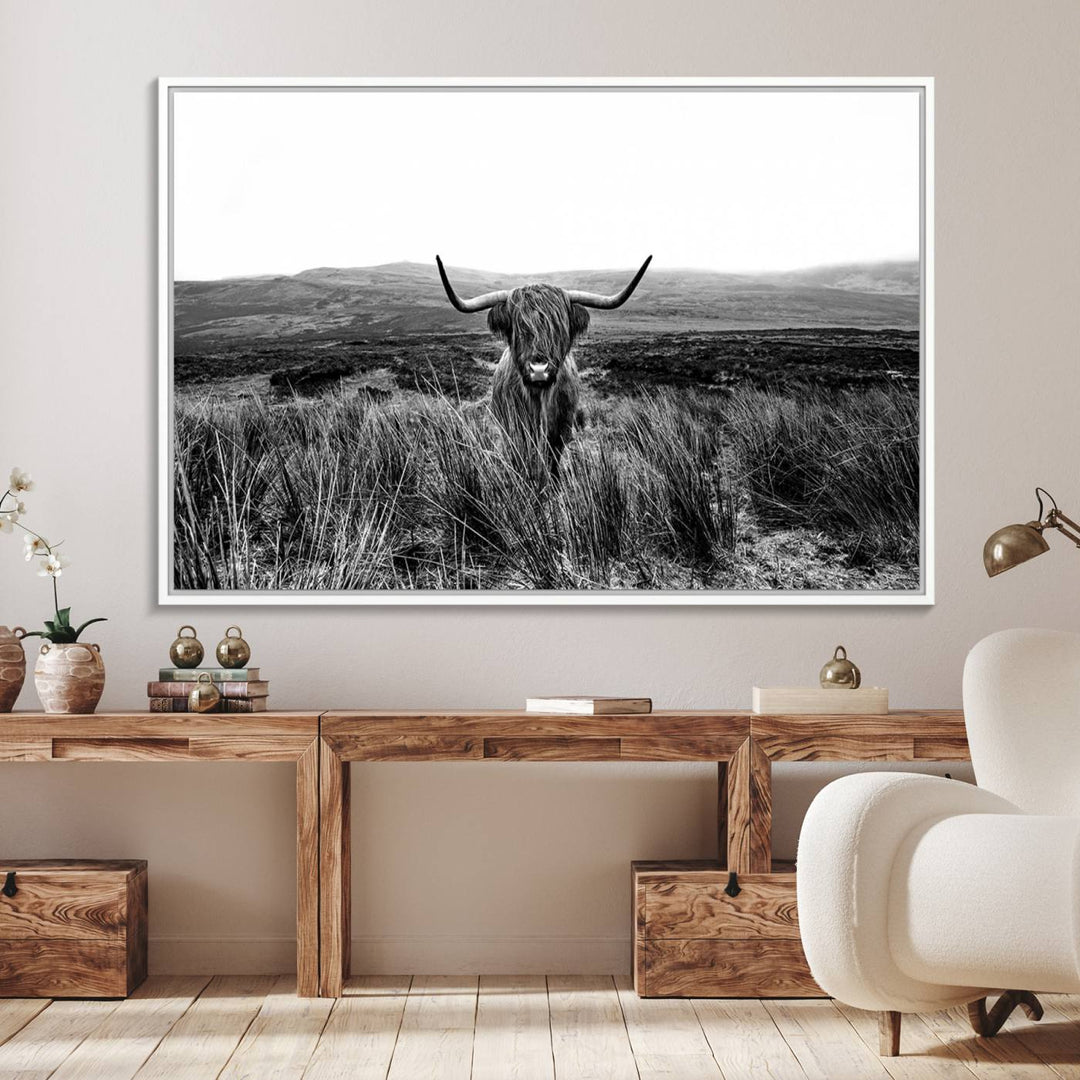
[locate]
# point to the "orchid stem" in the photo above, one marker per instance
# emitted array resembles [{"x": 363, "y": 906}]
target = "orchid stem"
[
  {"x": 48, "y": 548},
  {"x": 20, "y": 525}
]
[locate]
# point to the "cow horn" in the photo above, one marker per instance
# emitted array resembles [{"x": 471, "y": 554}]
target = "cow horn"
[
  {"x": 478, "y": 303},
  {"x": 596, "y": 300}
]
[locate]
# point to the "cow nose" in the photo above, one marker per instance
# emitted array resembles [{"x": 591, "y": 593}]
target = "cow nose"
[{"x": 538, "y": 370}]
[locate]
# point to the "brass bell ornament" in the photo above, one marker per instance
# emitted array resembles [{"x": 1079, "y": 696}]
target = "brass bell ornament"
[
  {"x": 186, "y": 651},
  {"x": 233, "y": 652},
  {"x": 840, "y": 673},
  {"x": 204, "y": 695}
]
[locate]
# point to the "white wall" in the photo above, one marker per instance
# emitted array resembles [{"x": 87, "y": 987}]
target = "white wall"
[{"x": 483, "y": 866}]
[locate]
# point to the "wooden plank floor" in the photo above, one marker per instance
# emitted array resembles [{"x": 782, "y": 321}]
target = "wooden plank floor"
[{"x": 524, "y": 1027}]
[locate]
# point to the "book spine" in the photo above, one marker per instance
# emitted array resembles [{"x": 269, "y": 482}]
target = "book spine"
[
  {"x": 236, "y": 705},
  {"x": 226, "y": 689},
  {"x": 168, "y": 704},
  {"x": 217, "y": 674}
]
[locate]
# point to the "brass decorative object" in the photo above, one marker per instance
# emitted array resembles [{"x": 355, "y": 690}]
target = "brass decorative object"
[
  {"x": 204, "y": 695},
  {"x": 1015, "y": 544},
  {"x": 840, "y": 673},
  {"x": 12, "y": 666},
  {"x": 186, "y": 652},
  {"x": 233, "y": 652}
]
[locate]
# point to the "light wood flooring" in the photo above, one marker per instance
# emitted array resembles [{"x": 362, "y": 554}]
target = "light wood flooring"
[{"x": 562, "y": 1027}]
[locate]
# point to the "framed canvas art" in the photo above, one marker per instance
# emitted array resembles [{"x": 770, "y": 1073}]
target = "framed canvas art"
[{"x": 546, "y": 341}]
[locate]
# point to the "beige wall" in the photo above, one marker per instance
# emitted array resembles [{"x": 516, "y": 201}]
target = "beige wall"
[{"x": 495, "y": 867}]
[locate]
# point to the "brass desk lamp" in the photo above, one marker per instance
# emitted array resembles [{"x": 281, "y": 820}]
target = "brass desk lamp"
[{"x": 1014, "y": 544}]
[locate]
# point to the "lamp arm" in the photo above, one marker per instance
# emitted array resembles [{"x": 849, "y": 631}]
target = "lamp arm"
[{"x": 1056, "y": 518}]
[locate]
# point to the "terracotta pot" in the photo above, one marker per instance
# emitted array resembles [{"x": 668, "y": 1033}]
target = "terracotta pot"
[
  {"x": 69, "y": 678},
  {"x": 12, "y": 666}
]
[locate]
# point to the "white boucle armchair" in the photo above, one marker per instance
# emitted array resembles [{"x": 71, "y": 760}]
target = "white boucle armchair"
[{"x": 918, "y": 893}]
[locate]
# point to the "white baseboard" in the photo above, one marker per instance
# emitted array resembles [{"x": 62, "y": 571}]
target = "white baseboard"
[{"x": 430, "y": 954}]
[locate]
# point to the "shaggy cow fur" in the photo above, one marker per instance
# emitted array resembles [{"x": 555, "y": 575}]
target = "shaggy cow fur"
[{"x": 536, "y": 388}]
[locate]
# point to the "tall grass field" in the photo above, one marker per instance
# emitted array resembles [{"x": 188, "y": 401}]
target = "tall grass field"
[{"x": 678, "y": 488}]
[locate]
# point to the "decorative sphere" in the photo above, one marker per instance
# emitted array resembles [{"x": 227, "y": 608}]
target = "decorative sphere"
[
  {"x": 186, "y": 651},
  {"x": 233, "y": 652}
]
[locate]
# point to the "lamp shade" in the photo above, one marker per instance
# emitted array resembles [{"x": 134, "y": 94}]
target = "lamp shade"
[{"x": 1012, "y": 545}]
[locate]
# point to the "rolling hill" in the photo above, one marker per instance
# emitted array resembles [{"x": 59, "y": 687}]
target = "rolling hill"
[{"x": 404, "y": 298}]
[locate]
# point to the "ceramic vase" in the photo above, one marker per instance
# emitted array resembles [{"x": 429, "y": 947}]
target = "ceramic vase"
[
  {"x": 69, "y": 678},
  {"x": 12, "y": 667}
]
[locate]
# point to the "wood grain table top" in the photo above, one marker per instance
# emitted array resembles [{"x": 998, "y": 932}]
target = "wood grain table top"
[
  {"x": 664, "y": 735},
  {"x": 133, "y": 724},
  {"x": 146, "y": 736},
  {"x": 491, "y": 734}
]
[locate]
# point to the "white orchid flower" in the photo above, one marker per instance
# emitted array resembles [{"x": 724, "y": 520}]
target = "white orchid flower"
[
  {"x": 54, "y": 565},
  {"x": 20, "y": 480},
  {"x": 7, "y": 521},
  {"x": 34, "y": 545}
]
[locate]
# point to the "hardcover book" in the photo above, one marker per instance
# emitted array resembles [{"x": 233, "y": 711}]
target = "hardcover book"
[
  {"x": 168, "y": 704},
  {"x": 229, "y": 705},
  {"x": 226, "y": 689},
  {"x": 588, "y": 706},
  {"x": 188, "y": 674},
  {"x": 237, "y": 705}
]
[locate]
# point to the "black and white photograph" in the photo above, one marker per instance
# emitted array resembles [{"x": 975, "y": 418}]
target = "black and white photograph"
[{"x": 553, "y": 342}]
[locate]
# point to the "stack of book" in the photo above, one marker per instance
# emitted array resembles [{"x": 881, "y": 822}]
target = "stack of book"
[{"x": 241, "y": 689}]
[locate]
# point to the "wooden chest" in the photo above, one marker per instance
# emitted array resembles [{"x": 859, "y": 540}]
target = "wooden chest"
[
  {"x": 72, "y": 928},
  {"x": 693, "y": 939}
]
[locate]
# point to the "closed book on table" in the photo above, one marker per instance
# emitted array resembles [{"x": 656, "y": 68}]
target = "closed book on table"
[
  {"x": 218, "y": 674},
  {"x": 231, "y": 705},
  {"x": 72, "y": 928},
  {"x": 225, "y": 689},
  {"x": 168, "y": 704},
  {"x": 581, "y": 705},
  {"x": 239, "y": 705}
]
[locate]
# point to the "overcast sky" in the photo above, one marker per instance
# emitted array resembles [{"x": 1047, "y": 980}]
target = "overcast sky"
[{"x": 278, "y": 182}]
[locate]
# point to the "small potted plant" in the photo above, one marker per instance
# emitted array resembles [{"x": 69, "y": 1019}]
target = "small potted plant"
[{"x": 69, "y": 674}]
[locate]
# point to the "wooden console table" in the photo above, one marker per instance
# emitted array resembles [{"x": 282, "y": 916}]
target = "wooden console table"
[
  {"x": 135, "y": 736},
  {"x": 322, "y": 745},
  {"x": 743, "y": 745}
]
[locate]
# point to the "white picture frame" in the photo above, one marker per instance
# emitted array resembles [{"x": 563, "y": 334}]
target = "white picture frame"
[{"x": 169, "y": 595}]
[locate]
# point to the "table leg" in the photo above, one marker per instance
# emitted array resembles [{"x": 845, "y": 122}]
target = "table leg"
[
  {"x": 334, "y": 872},
  {"x": 307, "y": 872},
  {"x": 346, "y": 871},
  {"x": 722, "y": 813},
  {"x": 749, "y": 810}
]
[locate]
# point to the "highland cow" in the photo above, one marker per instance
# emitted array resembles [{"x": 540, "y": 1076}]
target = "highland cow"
[{"x": 536, "y": 389}]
